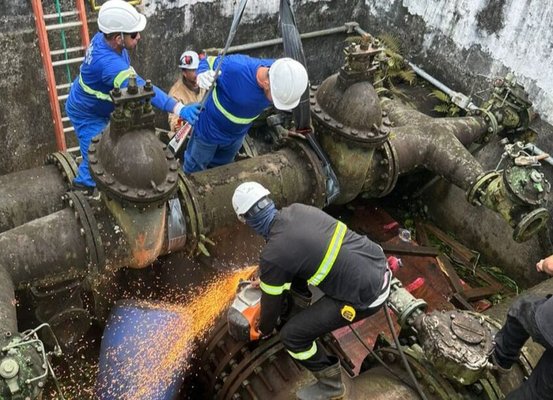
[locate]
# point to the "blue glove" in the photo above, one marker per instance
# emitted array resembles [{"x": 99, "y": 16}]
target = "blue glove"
[{"x": 190, "y": 113}]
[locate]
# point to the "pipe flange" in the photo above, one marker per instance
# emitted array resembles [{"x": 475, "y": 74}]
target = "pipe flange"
[
  {"x": 530, "y": 224},
  {"x": 108, "y": 182},
  {"x": 89, "y": 230},
  {"x": 65, "y": 164},
  {"x": 372, "y": 137},
  {"x": 478, "y": 188},
  {"x": 190, "y": 215},
  {"x": 388, "y": 169},
  {"x": 314, "y": 167},
  {"x": 516, "y": 179},
  {"x": 491, "y": 120}
]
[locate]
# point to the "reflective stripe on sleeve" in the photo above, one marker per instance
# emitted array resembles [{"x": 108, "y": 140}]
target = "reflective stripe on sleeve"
[
  {"x": 331, "y": 254},
  {"x": 274, "y": 290},
  {"x": 122, "y": 76},
  {"x": 117, "y": 82},
  {"x": 231, "y": 117},
  {"x": 304, "y": 355}
]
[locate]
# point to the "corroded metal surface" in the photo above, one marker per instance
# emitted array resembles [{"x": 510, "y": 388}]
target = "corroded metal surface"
[
  {"x": 30, "y": 194},
  {"x": 457, "y": 343}
]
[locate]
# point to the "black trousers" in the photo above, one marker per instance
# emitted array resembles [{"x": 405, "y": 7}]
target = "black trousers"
[
  {"x": 299, "y": 333},
  {"x": 519, "y": 327}
]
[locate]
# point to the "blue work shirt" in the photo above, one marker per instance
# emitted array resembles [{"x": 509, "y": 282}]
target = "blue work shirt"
[
  {"x": 100, "y": 68},
  {"x": 239, "y": 94}
]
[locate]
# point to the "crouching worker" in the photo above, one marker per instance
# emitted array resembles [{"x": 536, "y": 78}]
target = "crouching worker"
[
  {"x": 307, "y": 246},
  {"x": 529, "y": 316}
]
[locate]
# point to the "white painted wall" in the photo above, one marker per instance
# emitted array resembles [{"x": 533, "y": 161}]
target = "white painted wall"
[{"x": 524, "y": 44}]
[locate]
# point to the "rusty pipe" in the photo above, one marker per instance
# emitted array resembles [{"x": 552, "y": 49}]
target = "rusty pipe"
[
  {"x": 437, "y": 149},
  {"x": 292, "y": 174},
  {"x": 46, "y": 249},
  {"x": 8, "y": 316},
  {"x": 30, "y": 194}
]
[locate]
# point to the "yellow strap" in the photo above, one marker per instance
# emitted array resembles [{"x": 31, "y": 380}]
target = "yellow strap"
[
  {"x": 228, "y": 115},
  {"x": 274, "y": 290},
  {"x": 304, "y": 355},
  {"x": 117, "y": 82},
  {"x": 330, "y": 256}
]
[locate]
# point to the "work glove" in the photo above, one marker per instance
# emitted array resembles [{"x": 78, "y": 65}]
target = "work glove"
[
  {"x": 206, "y": 79},
  {"x": 189, "y": 113}
]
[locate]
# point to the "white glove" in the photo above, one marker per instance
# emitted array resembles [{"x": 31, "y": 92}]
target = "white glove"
[{"x": 206, "y": 79}]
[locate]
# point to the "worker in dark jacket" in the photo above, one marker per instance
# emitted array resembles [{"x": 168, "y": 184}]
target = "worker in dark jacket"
[
  {"x": 307, "y": 246},
  {"x": 528, "y": 317}
]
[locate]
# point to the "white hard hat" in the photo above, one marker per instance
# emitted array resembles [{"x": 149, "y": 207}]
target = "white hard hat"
[
  {"x": 189, "y": 60},
  {"x": 288, "y": 81},
  {"x": 120, "y": 16},
  {"x": 246, "y": 195}
]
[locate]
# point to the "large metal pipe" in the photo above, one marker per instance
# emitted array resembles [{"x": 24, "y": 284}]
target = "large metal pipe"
[
  {"x": 292, "y": 175},
  {"x": 436, "y": 148},
  {"x": 30, "y": 194},
  {"x": 50, "y": 248},
  {"x": 8, "y": 316}
]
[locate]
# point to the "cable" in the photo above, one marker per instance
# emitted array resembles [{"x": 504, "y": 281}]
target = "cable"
[
  {"x": 403, "y": 358},
  {"x": 380, "y": 360}
]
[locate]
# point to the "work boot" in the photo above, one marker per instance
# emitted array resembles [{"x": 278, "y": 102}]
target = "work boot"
[
  {"x": 329, "y": 385},
  {"x": 501, "y": 369},
  {"x": 91, "y": 193}
]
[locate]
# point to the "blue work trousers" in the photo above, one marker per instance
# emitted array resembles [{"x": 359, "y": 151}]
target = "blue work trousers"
[
  {"x": 85, "y": 128},
  {"x": 201, "y": 155}
]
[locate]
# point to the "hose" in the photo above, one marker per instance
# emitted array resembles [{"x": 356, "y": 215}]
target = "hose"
[{"x": 403, "y": 358}]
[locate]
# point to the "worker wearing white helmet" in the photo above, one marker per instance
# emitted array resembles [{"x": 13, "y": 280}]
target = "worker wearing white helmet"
[
  {"x": 185, "y": 89},
  {"x": 305, "y": 245},
  {"x": 245, "y": 87},
  {"x": 107, "y": 65}
]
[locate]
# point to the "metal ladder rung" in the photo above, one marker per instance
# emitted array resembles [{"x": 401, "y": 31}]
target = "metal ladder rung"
[
  {"x": 65, "y": 119},
  {"x": 69, "y": 61},
  {"x": 68, "y": 50},
  {"x": 68, "y": 129},
  {"x": 63, "y": 97},
  {"x": 63, "y": 86},
  {"x": 63, "y": 26},
  {"x": 62, "y": 14}
]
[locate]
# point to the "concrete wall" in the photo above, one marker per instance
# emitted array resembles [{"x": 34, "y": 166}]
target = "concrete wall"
[{"x": 456, "y": 40}]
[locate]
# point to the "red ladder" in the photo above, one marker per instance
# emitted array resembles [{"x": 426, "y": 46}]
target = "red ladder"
[{"x": 49, "y": 64}]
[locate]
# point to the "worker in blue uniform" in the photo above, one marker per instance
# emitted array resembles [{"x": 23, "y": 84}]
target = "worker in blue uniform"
[
  {"x": 528, "y": 317},
  {"x": 106, "y": 65},
  {"x": 244, "y": 88},
  {"x": 307, "y": 246}
]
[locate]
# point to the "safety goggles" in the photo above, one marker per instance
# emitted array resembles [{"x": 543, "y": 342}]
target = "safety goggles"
[
  {"x": 256, "y": 208},
  {"x": 133, "y": 35}
]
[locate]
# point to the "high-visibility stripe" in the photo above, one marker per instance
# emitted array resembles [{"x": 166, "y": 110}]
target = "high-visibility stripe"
[
  {"x": 228, "y": 115},
  {"x": 304, "y": 355},
  {"x": 274, "y": 290},
  {"x": 122, "y": 76},
  {"x": 330, "y": 256},
  {"x": 117, "y": 82}
]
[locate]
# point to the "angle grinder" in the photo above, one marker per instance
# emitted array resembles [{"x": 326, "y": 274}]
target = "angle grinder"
[{"x": 243, "y": 315}]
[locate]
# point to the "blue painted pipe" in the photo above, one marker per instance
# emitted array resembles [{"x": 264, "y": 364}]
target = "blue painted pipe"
[{"x": 133, "y": 348}]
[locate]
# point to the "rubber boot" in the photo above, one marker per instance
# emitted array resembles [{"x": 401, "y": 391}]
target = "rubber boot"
[{"x": 329, "y": 385}]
